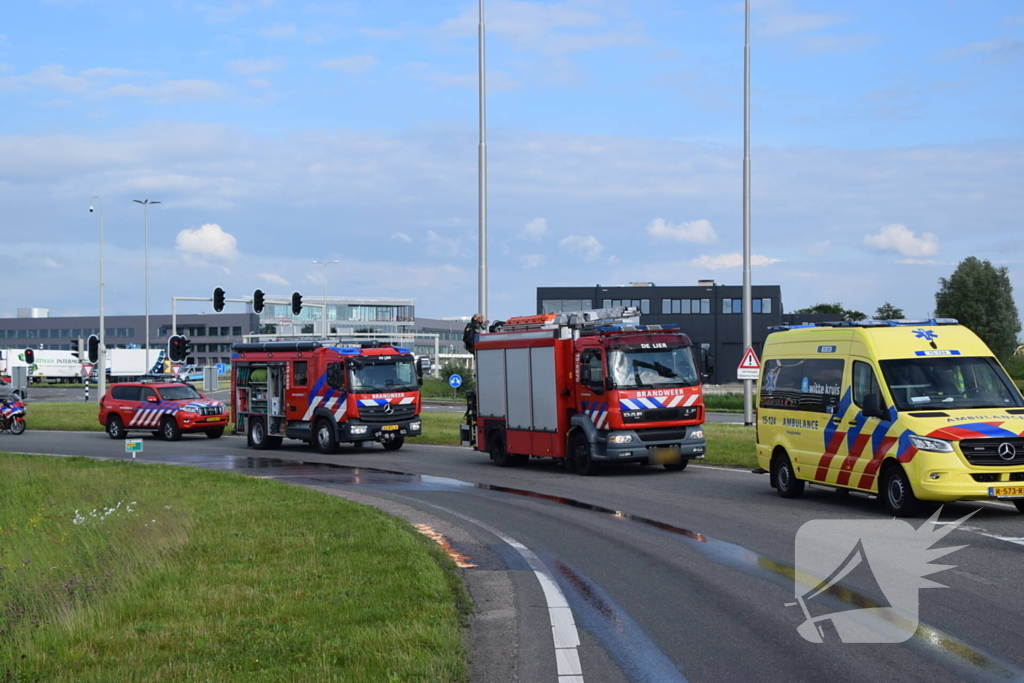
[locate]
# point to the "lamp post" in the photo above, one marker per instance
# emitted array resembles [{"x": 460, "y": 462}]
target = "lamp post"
[
  {"x": 324, "y": 314},
  {"x": 748, "y": 336},
  {"x": 482, "y": 172},
  {"x": 146, "y": 203},
  {"x": 102, "y": 360}
]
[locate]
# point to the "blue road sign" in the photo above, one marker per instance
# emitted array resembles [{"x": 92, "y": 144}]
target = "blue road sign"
[
  {"x": 455, "y": 381},
  {"x": 222, "y": 368}
]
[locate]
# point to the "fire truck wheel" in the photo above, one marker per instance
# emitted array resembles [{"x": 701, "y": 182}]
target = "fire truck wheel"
[
  {"x": 258, "y": 434},
  {"x": 786, "y": 482},
  {"x": 580, "y": 453},
  {"x": 324, "y": 438},
  {"x": 393, "y": 444},
  {"x": 115, "y": 428},
  {"x": 521, "y": 460},
  {"x": 676, "y": 466},
  {"x": 499, "y": 455},
  {"x": 215, "y": 433},
  {"x": 169, "y": 429}
]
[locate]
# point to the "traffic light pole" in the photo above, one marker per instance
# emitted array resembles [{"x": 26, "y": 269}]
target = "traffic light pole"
[{"x": 176, "y": 299}]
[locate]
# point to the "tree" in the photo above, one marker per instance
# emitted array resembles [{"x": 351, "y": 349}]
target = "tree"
[
  {"x": 848, "y": 315},
  {"x": 980, "y": 296},
  {"x": 888, "y": 312}
]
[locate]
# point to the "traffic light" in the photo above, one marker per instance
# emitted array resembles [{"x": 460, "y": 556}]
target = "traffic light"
[
  {"x": 93, "y": 347},
  {"x": 74, "y": 348},
  {"x": 30, "y": 356},
  {"x": 296, "y": 303},
  {"x": 257, "y": 301},
  {"x": 177, "y": 348},
  {"x": 218, "y": 299}
]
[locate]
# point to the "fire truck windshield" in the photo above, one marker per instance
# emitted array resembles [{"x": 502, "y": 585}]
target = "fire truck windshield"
[
  {"x": 647, "y": 368},
  {"x": 389, "y": 375}
]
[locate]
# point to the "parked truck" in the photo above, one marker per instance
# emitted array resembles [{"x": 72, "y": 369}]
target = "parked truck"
[
  {"x": 587, "y": 388},
  {"x": 325, "y": 393},
  {"x": 46, "y": 366}
]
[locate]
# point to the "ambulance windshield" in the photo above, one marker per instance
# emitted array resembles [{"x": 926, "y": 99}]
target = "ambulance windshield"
[
  {"x": 389, "y": 375},
  {"x": 949, "y": 383},
  {"x": 651, "y": 368}
]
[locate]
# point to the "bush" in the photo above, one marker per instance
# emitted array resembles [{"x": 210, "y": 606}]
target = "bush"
[
  {"x": 455, "y": 368},
  {"x": 1015, "y": 366}
]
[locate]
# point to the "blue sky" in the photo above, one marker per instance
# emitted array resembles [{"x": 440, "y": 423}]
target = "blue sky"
[{"x": 886, "y": 147}]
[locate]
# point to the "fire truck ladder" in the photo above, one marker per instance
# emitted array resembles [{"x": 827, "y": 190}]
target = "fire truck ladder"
[{"x": 616, "y": 318}]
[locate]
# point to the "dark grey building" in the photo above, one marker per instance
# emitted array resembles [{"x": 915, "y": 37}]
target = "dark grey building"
[
  {"x": 211, "y": 335},
  {"x": 710, "y": 314}
]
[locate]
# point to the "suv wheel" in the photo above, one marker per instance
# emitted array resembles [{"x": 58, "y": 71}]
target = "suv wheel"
[
  {"x": 169, "y": 429},
  {"x": 115, "y": 428}
]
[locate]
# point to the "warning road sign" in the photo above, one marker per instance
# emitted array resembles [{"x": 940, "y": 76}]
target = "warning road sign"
[{"x": 750, "y": 366}]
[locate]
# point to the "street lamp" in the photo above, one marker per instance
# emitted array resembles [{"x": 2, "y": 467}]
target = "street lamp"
[
  {"x": 102, "y": 360},
  {"x": 146, "y": 203},
  {"x": 482, "y": 171},
  {"x": 325, "y": 264}
]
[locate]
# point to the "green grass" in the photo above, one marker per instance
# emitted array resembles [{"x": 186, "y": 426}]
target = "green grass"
[
  {"x": 73, "y": 416},
  {"x": 439, "y": 389},
  {"x": 730, "y": 445},
  {"x": 724, "y": 403},
  {"x": 204, "y": 576}
]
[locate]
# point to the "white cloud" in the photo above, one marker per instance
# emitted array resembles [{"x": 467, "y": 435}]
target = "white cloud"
[
  {"x": 210, "y": 240},
  {"x": 278, "y": 31},
  {"x": 50, "y": 263},
  {"x": 897, "y": 237},
  {"x": 819, "y": 248},
  {"x": 356, "y": 64},
  {"x": 272, "y": 278},
  {"x": 925, "y": 262},
  {"x": 535, "y": 229},
  {"x": 402, "y": 237},
  {"x": 441, "y": 246},
  {"x": 699, "y": 231},
  {"x": 171, "y": 92},
  {"x": 589, "y": 247},
  {"x": 731, "y": 261},
  {"x": 254, "y": 67},
  {"x": 259, "y": 82},
  {"x": 531, "y": 261}
]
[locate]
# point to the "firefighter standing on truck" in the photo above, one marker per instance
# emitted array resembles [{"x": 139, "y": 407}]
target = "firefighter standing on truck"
[{"x": 473, "y": 327}]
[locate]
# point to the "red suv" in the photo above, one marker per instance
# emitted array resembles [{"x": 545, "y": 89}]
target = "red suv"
[{"x": 168, "y": 409}]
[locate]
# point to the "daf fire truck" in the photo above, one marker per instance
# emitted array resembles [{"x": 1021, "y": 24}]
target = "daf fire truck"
[
  {"x": 325, "y": 393},
  {"x": 589, "y": 387}
]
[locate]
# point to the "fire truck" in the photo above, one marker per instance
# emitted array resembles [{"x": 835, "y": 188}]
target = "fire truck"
[
  {"x": 590, "y": 388},
  {"x": 324, "y": 393}
]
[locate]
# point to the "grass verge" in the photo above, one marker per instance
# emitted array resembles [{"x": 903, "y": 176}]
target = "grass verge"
[{"x": 116, "y": 572}]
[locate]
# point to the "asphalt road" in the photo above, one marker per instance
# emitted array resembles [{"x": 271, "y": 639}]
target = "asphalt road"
[{"x": 663, "y": 576}]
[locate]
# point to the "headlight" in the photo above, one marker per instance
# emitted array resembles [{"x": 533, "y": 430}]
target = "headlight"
[
  {"x": 358, "y": 429},
  {"x": 621, "y": 438},
  {"x": 696, "y": 434},
  {"x": 923, "y": 443},
  {"x": 415, "y": 426},
  {"x": 189, "y": 409}
]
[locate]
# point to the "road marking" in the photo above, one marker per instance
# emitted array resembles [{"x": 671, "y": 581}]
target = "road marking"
[
  {"x": 563, "y": 626},
  {"x": 1016, "y": 540}
]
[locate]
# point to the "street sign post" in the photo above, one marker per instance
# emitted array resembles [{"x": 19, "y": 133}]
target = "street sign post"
[
  {"x": 750, "y": 366},
  {"x": 133, "y": 446},
  {"x": 455, "y": 381}
]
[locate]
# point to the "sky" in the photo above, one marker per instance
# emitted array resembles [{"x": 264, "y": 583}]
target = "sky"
[{"x": 886, "y": 147}]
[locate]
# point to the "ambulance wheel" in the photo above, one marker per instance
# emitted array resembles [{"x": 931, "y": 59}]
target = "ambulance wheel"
[
  {"x": 1019, "y": 504},
  {"x": 215, "y": 433},
  {"x": 169, "y": 429},
  {"x": 580, "y": 454},
  {"x": 324, "y": 438},
  {"x": 115, "y": 428},
  {"x": 258, "y": 434},
  {"x": 393, "y": 444},
  {"x": 896, "y": 493},
  {"x": 676, "y": 466},
  {"x": 786, "y": 482},
  {"x": 499, "y": 455}
]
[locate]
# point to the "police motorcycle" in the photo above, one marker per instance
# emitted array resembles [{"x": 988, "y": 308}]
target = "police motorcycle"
[{"x": 12, "y": 415}]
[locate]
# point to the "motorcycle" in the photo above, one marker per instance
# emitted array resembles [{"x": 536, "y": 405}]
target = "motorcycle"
[{"x": 12, "y": 416}]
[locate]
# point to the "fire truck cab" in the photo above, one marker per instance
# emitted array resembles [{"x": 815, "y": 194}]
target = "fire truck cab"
[
  {"x": 589, "y": 387},
  {"x": 324, "y": 393}
]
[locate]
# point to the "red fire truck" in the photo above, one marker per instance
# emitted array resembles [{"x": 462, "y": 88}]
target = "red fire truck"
[
  {"x": 590, "y": 387},
  {"x": 324, "y": 393}
]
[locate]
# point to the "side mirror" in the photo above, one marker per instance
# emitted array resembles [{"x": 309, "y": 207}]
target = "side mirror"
[
  {"x": 151, "y": 399},
  {"x": 873, "y": 407}
]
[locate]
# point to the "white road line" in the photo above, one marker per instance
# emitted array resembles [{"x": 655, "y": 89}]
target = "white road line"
[{"x": 563, "y": 626}]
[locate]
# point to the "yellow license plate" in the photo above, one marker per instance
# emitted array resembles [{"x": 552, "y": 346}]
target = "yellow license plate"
[
  {"x": 215, "y": 418},
  {"x": 1006, "y": 491},
  {"x": 664, "y": 455},
  {"x": 389, "y": 428}
]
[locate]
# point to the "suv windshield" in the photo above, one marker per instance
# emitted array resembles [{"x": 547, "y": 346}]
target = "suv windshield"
[
  {"x": 659, "y": 368},
  {"x": 182, "y": 393},
  {"x": 384, "y": 376},
  {"x": 946, "y": 382}
]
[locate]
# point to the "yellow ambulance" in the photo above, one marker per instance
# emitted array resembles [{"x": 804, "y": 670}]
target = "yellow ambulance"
[{"x": 909, "y": 410}]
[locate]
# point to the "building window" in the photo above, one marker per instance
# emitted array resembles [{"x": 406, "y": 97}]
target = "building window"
[
  {"x": 737, "y": 305},
  {"x": 236, "y": 331},
  {"x": 645, "y": 306},
  {"x": 766, "y": 305},
  {"x": 666, "y": 306},
  {"x": 755, "y": 306},
  {"x": 726, "y": 306}
]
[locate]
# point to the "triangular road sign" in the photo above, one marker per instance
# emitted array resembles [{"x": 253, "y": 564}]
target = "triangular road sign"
[{"x": 750, "y": 361}]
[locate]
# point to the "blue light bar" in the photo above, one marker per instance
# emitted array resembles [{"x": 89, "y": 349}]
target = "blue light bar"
[
  {"x": 345, "y": 351},
  {"x": 401, "y": 349}
]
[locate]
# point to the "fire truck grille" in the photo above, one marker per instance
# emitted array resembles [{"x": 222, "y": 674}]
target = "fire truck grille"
[
  {"x": 377, "y": 414},
  {"x": 993, "y": 451},
  {"x": 671, "y": 434},
  {"x": 660, "y": 414}
]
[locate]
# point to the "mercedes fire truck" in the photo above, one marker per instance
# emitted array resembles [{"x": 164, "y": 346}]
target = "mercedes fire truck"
[
  {"x": 325, "y": 393},
  {"x": 590, "y": 388}
]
